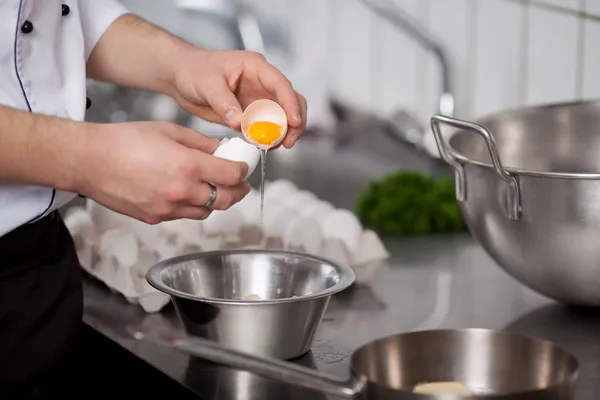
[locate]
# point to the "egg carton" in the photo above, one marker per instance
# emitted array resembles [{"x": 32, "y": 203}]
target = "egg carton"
[
  {"x": 118, "y": 250},
  {"x": 114, "y": 257}
]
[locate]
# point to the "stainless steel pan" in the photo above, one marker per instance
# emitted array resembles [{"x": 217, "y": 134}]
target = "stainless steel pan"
[{"x": 495, "y": 365}]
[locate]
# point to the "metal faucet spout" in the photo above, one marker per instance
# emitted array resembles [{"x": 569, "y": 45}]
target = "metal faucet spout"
[
  {"x": 236, "y": 16},
  {"x": 402, "y": 20}
]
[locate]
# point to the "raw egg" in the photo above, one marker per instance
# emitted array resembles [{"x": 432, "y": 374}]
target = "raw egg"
[{"x": 264, "y": 124}]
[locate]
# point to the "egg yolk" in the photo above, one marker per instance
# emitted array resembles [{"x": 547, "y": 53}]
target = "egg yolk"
[{"x": 264, "y": 132}]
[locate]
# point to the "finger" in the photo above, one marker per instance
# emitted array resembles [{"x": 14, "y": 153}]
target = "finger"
[
  {"x": 193, "y": 139},
  {"x": 220, "y": 171},
  {"x": 226, "y": 195},
  {"x": 279, "y": 86},
  {"x": 190, "y": 212},
  {"x": 204, "y": 112},
  {"x": 294, "y": 133},
  {"x": 219, "y": 96}
]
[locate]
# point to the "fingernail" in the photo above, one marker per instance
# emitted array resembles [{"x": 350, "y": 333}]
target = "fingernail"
[
  {"x": 232, "y": 116},
  {"x": 297, "y": 119},
  {"x": 244, "y": 168}
]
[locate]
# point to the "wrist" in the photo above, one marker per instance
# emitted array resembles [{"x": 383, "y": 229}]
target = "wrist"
[
  {"x": 183, "y": 55},
  {"x": 83, "y": 163},
  {"x": 43, "y": 150}
]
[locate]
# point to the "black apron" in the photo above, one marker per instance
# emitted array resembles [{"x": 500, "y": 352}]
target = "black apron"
[{"x": 41, "y": 305}]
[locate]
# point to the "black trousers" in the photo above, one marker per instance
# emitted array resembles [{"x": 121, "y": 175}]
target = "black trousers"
[{"x": 41, "y": 305}]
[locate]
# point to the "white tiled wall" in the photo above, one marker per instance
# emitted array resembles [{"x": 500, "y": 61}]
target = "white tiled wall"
[
  {"x": 499, "y": 46},
  {"x": 504, "y": 53}
]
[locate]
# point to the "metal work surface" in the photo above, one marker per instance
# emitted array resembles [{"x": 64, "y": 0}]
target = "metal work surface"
[{"x": 429, "y": 282}]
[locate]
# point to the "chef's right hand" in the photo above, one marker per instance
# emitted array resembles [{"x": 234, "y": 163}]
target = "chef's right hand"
[{"x": 158, "y": 171}]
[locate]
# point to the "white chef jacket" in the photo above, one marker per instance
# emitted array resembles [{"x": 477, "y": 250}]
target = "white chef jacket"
[{"x": 44, "y": 45}]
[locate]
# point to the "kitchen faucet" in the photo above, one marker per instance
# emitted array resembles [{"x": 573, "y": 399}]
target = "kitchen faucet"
[
  {"x": 405, "y": 126},
  {"x": 235, "y": 15},
  {"x": 389, "y": 10}
]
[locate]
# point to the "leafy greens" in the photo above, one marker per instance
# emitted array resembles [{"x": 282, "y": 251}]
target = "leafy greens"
[{"x": 410, "y": 203}]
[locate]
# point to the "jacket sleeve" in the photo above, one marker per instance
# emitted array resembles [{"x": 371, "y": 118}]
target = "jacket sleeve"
[{"x": 96, "y": 16}]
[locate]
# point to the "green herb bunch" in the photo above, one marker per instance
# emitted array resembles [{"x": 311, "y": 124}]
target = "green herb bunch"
[{"x": 410, "y": 203}]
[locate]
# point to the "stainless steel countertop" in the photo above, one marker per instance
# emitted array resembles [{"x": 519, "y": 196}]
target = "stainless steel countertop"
[{"x": 429, "y": 282}]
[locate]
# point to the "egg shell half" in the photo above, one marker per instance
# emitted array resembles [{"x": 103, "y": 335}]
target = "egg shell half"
[
  {"x": 263, "y": 111},
  {"x": 235, "y": 149}
]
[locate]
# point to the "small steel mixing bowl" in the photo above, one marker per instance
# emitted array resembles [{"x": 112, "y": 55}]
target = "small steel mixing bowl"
[{"x": 262, "y": 302}]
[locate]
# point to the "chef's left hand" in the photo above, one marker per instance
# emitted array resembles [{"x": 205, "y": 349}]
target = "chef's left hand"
[{"x": 216, "y": 85}]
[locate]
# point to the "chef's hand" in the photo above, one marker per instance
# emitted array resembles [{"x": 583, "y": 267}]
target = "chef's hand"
[
  {"x": 158, "y": 171},
  {"x": 218, "y": 85}
]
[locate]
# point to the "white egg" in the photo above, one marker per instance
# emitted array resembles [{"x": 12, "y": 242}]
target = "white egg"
[
  {"x": 79, "y": 223},
  {"x": 185, "y": 230},
  {"x": 300, "y": 200},
  {"x": 250, "y": 207},
  {"x": 370, "y": 248},
  {"x": 276, "y": 219},
  {"x": 103, "y": 218},
  {"x": 280, "y": 189},
  {"x": 148, "y": 235},
  {"x": 211, "y": 243},
  {"x": 226, "y": 223},
  {"x": 335, "y": 250},
  {"x": 264, "y": 111},
  {"x": 154, "y": 302},
  {"x": 235, "y": 149},
  {"x": 368, "y": 258},
  {"x": 120, "y": 244},
  {"x": 343, "y": 225},
  {"x": 303, "y": 234},
  {"x": 319, "y": 210}
]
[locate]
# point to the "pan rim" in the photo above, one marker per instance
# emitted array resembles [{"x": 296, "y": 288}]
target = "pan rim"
[{"x": 568, "y": 381}]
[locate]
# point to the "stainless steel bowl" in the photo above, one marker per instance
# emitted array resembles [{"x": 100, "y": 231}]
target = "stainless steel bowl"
[
  {"x": 493, "y": 365},
  {"x": 528, "y": 183},
  {"x": 210, "y": 292}
]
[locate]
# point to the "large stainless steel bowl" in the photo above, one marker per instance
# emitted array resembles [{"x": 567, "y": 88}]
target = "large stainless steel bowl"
[
  {"x": 211, "y": 292},
  {"x": 528, "y": 182}
]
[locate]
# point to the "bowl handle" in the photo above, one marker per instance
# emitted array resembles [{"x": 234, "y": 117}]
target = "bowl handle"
[{"x": 513, "y": 194}]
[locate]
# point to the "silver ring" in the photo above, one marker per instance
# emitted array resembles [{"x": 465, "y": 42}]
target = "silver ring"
[{"x": 212, "y": 197}]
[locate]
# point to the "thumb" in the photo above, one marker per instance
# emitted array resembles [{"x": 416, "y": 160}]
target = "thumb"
[{"x": 221, "y": 99}]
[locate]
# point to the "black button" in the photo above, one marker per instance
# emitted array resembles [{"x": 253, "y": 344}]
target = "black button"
[
  {"x": 65, "y": 10},
  {"x": 88, "y": 103},
  {"x": 27, "y": 27}
]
